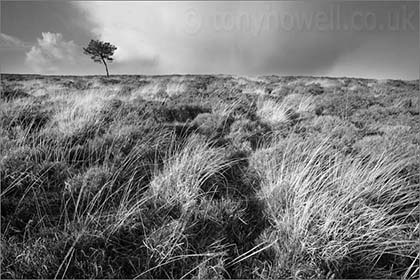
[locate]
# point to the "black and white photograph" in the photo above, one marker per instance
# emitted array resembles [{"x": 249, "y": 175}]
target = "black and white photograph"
[{"x": 210, "y": 139}]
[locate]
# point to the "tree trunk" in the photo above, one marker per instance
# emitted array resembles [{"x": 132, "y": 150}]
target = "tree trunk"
[{"x": 106, "y": 68}]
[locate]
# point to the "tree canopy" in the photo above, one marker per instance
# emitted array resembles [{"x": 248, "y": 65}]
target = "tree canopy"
[{"x": 100, "y": 52}]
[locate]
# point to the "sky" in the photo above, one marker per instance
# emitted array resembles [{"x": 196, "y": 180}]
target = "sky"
[{"x": 313, "y": 38}]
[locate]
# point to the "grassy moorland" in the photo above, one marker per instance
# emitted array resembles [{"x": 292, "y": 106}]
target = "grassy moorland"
[{"x": 209, "y": 177}]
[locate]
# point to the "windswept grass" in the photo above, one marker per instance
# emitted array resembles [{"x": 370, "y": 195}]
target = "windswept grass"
[
  {"x": 292, "y": 107},
  {"x": 187, "y": 171},
  {"x": 209, "y": 177},
  {"x": 274, "y": 112},
  {"x": 349, "y": 216}
]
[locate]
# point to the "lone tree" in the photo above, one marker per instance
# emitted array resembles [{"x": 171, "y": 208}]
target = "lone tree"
[{"x": 100, "y": 52}]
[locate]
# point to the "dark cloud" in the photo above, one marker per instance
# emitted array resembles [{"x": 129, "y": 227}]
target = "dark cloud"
[{"x": 28, "y": 19}]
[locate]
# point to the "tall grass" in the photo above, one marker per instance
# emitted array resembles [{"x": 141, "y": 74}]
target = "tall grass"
[
  {"x": 95, "y": 185},
  {"x": 284, "y": 111},
  {"x": 345, "y": 215},
  {"x": 78, "y": 110},
  {"x": 273, "y": 112},
  {"x": 187, "y": 170}
]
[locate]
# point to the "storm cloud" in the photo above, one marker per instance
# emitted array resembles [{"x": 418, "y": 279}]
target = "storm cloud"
[
  {"x": 345, "y": 38},
  {"x": 245, "y": 37}
]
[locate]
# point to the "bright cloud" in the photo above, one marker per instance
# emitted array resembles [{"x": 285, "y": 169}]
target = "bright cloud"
[{"x": 51, "y": 53}]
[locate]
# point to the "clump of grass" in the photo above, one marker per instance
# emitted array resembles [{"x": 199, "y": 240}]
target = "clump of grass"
[
  {"x": 291, "y": 108},
  {"x": 335, "y": 215},
  {"x": 273, "y": 112},
  {"x": 78, "y": 112},
  {"x": 187, "y": 170}
]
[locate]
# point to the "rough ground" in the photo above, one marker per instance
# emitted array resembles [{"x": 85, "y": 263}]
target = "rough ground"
[{"x": 209, "y": 177}]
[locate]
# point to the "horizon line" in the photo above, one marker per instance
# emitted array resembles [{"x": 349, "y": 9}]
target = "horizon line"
[{"x": 211, "y": 74}]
